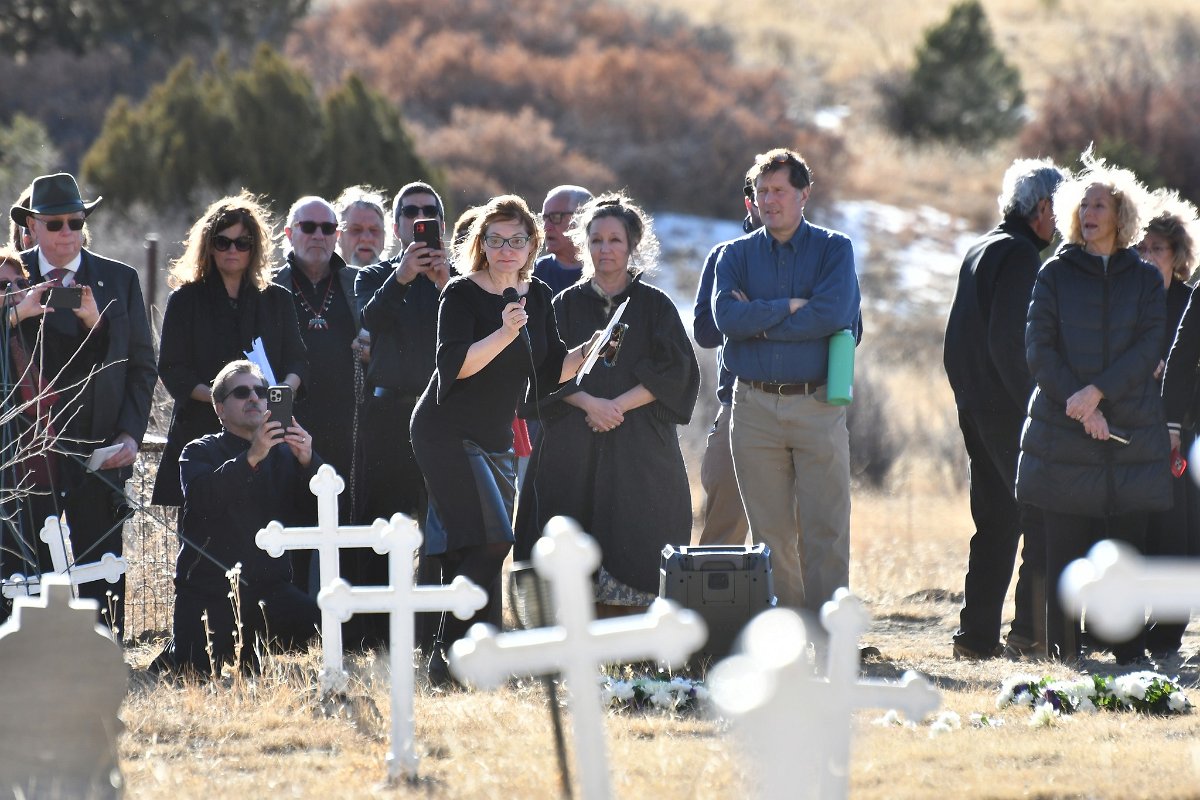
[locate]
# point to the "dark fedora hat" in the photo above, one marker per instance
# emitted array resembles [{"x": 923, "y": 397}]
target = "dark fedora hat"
[{"x": 52, "y": 195}]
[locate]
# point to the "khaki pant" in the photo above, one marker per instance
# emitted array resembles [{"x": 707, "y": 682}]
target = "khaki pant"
[
  {"x": 792, "y": 458},
  {"x": 724, "y": 518}
]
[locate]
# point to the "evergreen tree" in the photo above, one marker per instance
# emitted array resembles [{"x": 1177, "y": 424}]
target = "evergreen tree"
[
  {"x": 261, "y": 128},
  {"x": 365, "y": 141},
  {"x": 961, "y": 89}
]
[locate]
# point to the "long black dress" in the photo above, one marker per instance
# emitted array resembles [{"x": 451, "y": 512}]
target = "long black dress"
[
  {"x": 462, "y": 427},
  {"x": 628, "y": 487},
  {"x": 201, "y": 333}
]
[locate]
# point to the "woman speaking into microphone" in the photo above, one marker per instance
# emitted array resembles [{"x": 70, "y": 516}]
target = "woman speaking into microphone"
[{"x": 496, "y": 341}]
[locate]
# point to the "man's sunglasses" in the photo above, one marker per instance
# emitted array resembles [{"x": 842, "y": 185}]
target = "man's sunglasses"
[
  {"x": 242, "y": 243},
  {"x": 56, "y": 225},
  {"x": 243, "y": 393},
  {"x": 308, "y": 227},
  {"x": 412, "y": 212}
]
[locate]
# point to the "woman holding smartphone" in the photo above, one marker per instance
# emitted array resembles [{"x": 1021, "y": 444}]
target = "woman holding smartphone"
[
  {"x": 497, "y": 344},
  {"x": 222, "y": 301}
]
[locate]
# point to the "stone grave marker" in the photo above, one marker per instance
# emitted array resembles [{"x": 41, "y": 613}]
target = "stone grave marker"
[
  {"x": 400, "y": 540},
  {"x": 64, "y": 680},
  {"x": 796, "y": 723},
  {"x": 577, "y": 644},
  {"x": 328, "y": 539}
]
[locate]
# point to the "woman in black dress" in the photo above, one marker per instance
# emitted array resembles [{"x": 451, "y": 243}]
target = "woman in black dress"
[
  {"x": 223, "y": 300},
  {"x": 608, "y": 452},
  {"x": 497, "y": 341}
]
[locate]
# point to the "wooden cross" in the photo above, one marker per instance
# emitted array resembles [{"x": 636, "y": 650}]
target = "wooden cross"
[
  {"x": 578, "y": 644},
  {"x": 795, "y": 722},
  {"x": 328, "y": 539},
  {"x": 1116, "y": 584},
  {"x": 57, "y": 535},
  {"x": 400, "y": 540}
]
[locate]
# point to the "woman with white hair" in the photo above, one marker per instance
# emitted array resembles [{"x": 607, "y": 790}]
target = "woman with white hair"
[{"x": 1094, "y": 453}]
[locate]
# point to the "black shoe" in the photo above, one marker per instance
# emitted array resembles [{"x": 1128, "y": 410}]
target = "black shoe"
[{"x": 963, "y": 652}]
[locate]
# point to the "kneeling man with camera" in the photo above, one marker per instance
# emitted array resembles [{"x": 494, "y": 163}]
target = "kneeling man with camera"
[{"x": 235, "y": 482}]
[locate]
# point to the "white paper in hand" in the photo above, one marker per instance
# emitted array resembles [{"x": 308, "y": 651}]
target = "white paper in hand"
[
  {"x": 258, "y": 355},
  {"x": 590, "y": 360},
  {"x": 100, "y": 455}
]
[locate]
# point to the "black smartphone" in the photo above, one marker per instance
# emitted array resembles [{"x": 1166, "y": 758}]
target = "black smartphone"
[
  {"x": 1118, "y": 435},
  {"x": 279, "y": 403},
  {"x": 428, "y": 232},
  {"x": 63, "y": 297}
]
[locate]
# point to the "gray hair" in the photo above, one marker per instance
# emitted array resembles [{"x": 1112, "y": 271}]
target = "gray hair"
[
  {"x": 1026, "y": 183},
  {"x": 294, "y": 211},
  {"x": 577, "y": 194},
  {"x": 363, "y": 196}
]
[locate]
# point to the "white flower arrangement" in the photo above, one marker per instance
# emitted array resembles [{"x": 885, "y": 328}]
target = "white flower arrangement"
[
  {"x": 659, "y": 692},
  {"x": 1145, "y": 692}
]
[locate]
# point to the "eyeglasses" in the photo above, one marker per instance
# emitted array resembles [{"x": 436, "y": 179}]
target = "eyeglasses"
[
  {"x": 308, "y": 227},
  {"x": 517, "y": 242},
  {"x": 557, "y": 217},
  {"x": 223, "y": 243},
  {"x": 425, "y": 211},
  {"x": 243, "y": 393},
  {"x": 17, "y": 285},
  {"x": 56, "y": 225}
]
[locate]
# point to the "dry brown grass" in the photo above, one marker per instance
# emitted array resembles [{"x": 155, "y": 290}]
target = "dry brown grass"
[{"x": 270, "y": 733}]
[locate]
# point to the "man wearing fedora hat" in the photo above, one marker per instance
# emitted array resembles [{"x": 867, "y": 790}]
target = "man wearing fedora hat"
[{"x": 101, "y": 356}]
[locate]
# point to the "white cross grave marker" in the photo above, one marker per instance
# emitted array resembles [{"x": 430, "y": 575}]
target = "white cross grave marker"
[
  {"x": 400, "y": 539},
  {"x": 796, "y": 723},
  {"x": 328, "y": 539},
  {"x": 1115, "y": 584},
  {"x": 566, "y": 557},
  {"x": 57, "y": 535}
]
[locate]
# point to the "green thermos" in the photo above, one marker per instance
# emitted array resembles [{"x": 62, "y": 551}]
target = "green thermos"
[{"x": 840, "y": 384}]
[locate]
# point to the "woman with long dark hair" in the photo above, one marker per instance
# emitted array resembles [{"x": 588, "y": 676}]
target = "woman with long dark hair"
[{"x": 222, "y": 302}]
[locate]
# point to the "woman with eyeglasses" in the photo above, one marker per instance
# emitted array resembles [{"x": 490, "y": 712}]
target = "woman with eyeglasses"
[
  {"x": 497, "y": 344},
  {"x": 222, "y": 301},
  {"x": 608, "y": 451}
]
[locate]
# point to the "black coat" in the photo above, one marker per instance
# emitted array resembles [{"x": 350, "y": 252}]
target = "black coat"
[
  {"x": 1179, "y": 382},
  {"x": 628, "y": 488},
  {"x": 117, "y": 397},
  {"x": 201, "y": 333},
  {"x": 1091, "y": 325},
  {"x": 984, "y": 353}
]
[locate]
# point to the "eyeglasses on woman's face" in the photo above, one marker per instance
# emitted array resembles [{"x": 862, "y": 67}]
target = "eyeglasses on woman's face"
[
  {"x": 495, "y": 242},
  {"x": 243, "y": 243}
]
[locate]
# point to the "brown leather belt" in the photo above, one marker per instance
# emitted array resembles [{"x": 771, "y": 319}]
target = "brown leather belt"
[{"x": 786, "y": 388}]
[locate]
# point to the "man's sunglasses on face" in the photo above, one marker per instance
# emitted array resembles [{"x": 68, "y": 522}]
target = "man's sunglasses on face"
[
  {"x": 56, "y": 225},
  {"x": 243, "y": 393},
  {"x": 308, "y": 227},
  {"x": 429, "y": 212}
]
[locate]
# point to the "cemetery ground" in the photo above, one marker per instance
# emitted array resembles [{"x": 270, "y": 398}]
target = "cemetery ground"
[{"x": 272, "y": 733}]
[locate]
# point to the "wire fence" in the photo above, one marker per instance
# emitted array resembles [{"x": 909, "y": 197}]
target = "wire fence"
[{"x": 151, "y": 544}]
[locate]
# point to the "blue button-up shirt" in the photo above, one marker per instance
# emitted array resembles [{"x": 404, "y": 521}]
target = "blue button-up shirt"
[
  {"x": 704, "y": 327},
  {"x": 764, "y": 341}
]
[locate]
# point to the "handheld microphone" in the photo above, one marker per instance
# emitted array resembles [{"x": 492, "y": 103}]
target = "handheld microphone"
[{"x": 510, "y": 296}]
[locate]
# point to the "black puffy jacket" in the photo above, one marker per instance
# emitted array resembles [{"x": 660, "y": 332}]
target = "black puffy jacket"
[{"x": 1091, "y": 325}]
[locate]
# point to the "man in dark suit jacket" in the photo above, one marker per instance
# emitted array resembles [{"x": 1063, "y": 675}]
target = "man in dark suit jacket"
[
  {"x": 101, "y": 359},
  {"x": 985, "y": 362}
]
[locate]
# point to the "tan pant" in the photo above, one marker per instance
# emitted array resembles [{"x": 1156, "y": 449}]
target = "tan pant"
[
  {"x": 724, "y": 518},
  {"x": 792, "y": 458}
]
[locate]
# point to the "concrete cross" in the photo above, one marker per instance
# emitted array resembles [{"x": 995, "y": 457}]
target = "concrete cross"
[
  {"x": 57, "y": 535},
  {"x": 1115, "y": 584},
  {"x": 796, "y": 723},
  {"x": 400, "y": 540},
  {"x": 328, "y": 539},
  {"x": 578, "y": 644}
]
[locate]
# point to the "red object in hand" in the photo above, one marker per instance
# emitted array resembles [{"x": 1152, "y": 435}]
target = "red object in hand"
[{"x": 1178, "y": 463}]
